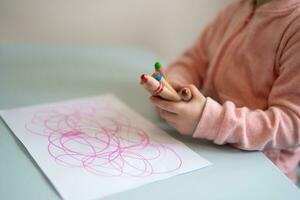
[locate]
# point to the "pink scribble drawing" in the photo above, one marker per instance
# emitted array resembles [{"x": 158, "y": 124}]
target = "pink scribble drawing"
[{"x": 102, "y": 141}]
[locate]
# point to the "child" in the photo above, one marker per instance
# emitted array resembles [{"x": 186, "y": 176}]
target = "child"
[{"x": 247, "y": 66}]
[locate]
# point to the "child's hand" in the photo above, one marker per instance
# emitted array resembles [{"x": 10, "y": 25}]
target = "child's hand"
[{"x": 183, "y": 116}]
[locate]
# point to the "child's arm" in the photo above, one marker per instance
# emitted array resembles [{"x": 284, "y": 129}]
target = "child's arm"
[{"x": 277, "y": 127}]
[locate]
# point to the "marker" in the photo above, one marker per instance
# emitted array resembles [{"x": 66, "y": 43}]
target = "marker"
[
  {"x": 185, "y": 93},
  {"x": 158, "y": 76},
  {"x": 158, "y": 89},
  {"x": 159, "y": 68}
]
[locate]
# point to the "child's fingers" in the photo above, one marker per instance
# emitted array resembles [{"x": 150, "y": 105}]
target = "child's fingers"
[
  {"x": 157, "y": 108},
  {"x": 173, "y": 107},
  {"x": 195, "y": 92},
  {"x": 168, "y": 116}
]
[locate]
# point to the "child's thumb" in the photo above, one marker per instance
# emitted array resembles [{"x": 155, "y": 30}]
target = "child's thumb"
[{"x": 195, "y": 92}]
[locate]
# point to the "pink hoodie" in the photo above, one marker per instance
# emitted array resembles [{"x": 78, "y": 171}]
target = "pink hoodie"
[{"x": 247, "y": 63}]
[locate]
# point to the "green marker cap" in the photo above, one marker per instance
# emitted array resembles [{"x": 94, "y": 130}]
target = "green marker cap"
[{"x": 157, "y": 65}]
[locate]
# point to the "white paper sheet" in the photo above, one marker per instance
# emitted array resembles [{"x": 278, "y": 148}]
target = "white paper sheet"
[{"x": 90, "y": 148}]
